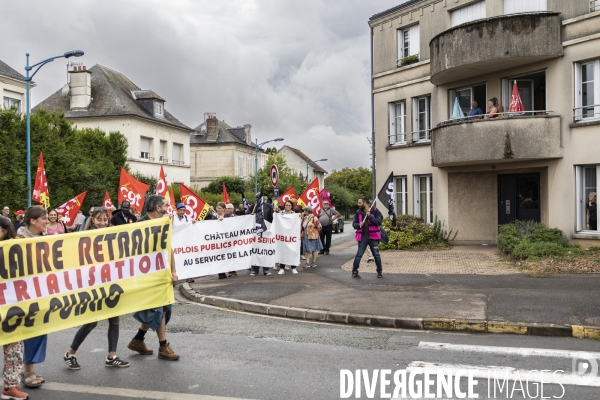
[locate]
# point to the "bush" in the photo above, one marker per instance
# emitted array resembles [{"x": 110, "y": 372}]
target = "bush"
[
  {"x": 410, "y": 231},
  {"x": 529, "y": 239}
]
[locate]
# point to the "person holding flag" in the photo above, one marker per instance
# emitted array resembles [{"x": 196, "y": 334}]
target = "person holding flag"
[
  {"x": 386, "y": 196},
  {"x": 367, "y": 221}
]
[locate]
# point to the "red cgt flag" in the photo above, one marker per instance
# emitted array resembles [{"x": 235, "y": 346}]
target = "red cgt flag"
[
  {"x": 225, "y": 194},
  {"x": 69, "y": 210},
  {"x": 195, "y": 207},
  {"x": 132, "y": 190},
  {"x": 107, "y": 203},
  {"x": 312, "y": 197},
  {"x": 516, "y": 105},
  {"x": 40, "y": 187},
  {"x": 288, "y": 195},
  {"x": 162, "y": 189}
]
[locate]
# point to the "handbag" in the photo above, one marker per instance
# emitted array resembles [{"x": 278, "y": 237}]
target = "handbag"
[{"x": 384, "y": 236}]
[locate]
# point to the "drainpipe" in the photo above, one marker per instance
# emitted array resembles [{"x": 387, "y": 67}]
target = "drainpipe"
[{"x": 372, "y": 121}]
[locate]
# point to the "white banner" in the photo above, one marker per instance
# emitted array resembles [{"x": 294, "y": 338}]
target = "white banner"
[{"x": 211, "y": 247}]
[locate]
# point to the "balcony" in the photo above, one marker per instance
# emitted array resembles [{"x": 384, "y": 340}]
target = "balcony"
[
  {"x": 508, "y": 138},
  {"x": 494, "y": 44}
]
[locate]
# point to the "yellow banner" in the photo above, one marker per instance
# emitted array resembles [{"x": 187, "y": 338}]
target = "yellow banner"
[{"x": 63, "y": 281}]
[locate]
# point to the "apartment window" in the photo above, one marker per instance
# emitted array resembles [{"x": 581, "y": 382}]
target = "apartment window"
[
  {"x": 145, "y": 145},
  {"x": 397, "y": 123},
  {"x": 178, "y": 153},
  {"x": 423, "y": 193},
  {"x": 12, "y": 99},
  {"x": 158, "y": 108},
  {"x": 594, "y": 5},
  {"x": 162, "y": 157},
  {"x": 401, "y": 194},
  {"x": 421, "y": 118},
  {"x": 240, "y": 166},
  {"x": 465, "y": 96},
  {"x": 469, "y": 13},
  {"x": 532, "y": 89},
  {"x": 587, "y": 181},
  {"x": 587, "y": 90},
  {"x": 408, "y": 43},
  {"x": 521, "y": 6}
]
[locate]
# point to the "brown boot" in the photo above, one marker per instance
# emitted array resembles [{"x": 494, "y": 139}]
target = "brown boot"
[
  {"x": 140, "y": 347},
  {"x": 166, "y": 353}
]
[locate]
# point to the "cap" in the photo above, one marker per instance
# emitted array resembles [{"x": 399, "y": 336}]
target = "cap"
[
  {"x": 180, "y": 205},
  {"x": 20, "y": 212}
]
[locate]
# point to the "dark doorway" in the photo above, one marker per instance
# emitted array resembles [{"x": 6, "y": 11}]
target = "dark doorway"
[{"x": 518, "y": 198}]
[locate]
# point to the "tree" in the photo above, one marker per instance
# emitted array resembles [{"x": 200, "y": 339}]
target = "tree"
[
  {"x": 287, "y": 177},
  {"x": 359, "y": 184},
  {"x": 234, "y": 184},
  {"x": 340, "y": 197}
]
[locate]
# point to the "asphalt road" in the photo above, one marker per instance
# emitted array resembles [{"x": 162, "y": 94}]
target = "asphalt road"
[{"x": 226, "y": 354}]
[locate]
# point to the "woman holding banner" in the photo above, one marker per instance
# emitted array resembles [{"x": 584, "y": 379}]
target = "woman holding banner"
[
  {"x": 98, "y": 220},
  {"x": 36, "y": 222},
  {"x": 55, "y": 227},
  {"x": 221, "y": 214},
  {"x": 287, "y": 209},
  {"x": 312, "y": 237},
  {"x": 13, "y": 352}
]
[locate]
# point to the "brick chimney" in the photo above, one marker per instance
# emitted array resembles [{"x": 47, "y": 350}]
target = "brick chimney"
[
  {"x": 80, "y": 85},
  {"x": 248, "y": 134},
  {"x": 212, "y": 128}
]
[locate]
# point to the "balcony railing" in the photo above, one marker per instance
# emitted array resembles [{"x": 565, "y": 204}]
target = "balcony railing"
[
  {"x": 495, "y": 116},
  {"x": 421, "y": 136},
  {"x": 586, "y": 113},
  {"x": 175, "y": 162},
  {"x": 594, "y": 5},
  {"x": 397, "y": 138}
]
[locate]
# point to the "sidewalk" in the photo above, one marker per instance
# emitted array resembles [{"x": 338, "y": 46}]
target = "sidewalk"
[{"x": 466, "y": 288}]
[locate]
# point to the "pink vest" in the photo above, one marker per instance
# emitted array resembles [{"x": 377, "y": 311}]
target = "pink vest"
[{"x": 373, "y": 231}]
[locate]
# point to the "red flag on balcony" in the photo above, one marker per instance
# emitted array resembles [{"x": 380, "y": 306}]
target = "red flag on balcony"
[
  {"x": 225, "y": 194},
  {"x": 516, "y": 105}
]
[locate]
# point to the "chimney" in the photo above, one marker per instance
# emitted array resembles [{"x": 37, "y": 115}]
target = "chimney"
[
  {"x": 212, "y": 128},
  {"x": 247, "y": 128},
  {"x": 80, "y": 84}
]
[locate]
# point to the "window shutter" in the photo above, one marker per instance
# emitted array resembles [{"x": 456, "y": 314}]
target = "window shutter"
[
  {"x": 392, "y": 113},
  {"x": 579, "y": 197},
  {"x": 521, "y": 6},
  {"x": 415, "y": 42},
  {"x": 577, "y": 92},
  {"x": 400, "y": 44}
]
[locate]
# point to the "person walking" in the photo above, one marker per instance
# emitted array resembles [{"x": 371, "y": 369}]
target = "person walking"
[
  {"x": 36, "y": 222},
  {"x": 98, "y": 220},
  {"x": 180, "y": 218},
  {"x": 327, "y": 217},
  {"x": 13, "y": 352},
  {"x": 156, "y": 318},
  {"x": 123, "y": 216},
  {"x": 312, "y": 238},
  {"x": 287, "y": 209},
  {"x": 262, "y": 212},
  {"x": 367, "y": 221}
]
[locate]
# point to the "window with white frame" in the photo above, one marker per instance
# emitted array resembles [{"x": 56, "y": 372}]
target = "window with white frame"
[
  {"x": 521, "y": 6},
  {"x": 145, "y": 145},
  {"x": 595, "y": 5},
  {"x": 240, "y": 166},
  {"x": 587, "y": 179},
  {"x": 587, "y": 90},
  {"x": 162, "y": 156},
  {"x": 401, "y": 193},
  {"x": 469, "y": 13},
  {"x": 9, "y": 103},
  {"x": 397, "y": 123},
  {"x": 250, "y": 170},
  {"x": 178, "y": 153},
  {"x": 158, "y": 108},
  {"x": 408, "y": 42},
  {"x": 465, "y": 96},
  {"x": 421, "y": 118},
  {"x": 423, "y": 197}
]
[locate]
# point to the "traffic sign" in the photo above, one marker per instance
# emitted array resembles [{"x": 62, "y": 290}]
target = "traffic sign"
[{"x": 274, "y": 175}]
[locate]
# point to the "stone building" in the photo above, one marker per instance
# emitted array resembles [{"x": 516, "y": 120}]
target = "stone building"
[
  {"x": 217, "y": 149},
  {"x": 12, "y": 87},
  {"x": 300, "y": 163},
  {"x": 103, "y": 98},
  {"x": 477, "y": 173}
]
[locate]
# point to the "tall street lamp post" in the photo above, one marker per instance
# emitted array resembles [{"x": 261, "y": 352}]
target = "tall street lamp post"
[
  {"x": 256, "y": 148},
  {"x": 311, "y": 163},
  {"x": 72, "y": 53},
  {"x": 346, "y": 186}
]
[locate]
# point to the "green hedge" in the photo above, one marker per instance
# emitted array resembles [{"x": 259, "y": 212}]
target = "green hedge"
[{"x": 409, "y": 232}]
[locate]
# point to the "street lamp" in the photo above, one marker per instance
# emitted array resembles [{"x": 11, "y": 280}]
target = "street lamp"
[
  {"x": 311, "y": 163},
  {"x": 256, "y": 148},
  {"x": 346, "y": 186},
  {"x": 72, "y": 53}
]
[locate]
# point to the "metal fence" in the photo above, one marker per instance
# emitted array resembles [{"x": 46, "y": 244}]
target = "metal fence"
[
  {"x": 495, "y": 116},
  {"x": 587, "y": 112}
]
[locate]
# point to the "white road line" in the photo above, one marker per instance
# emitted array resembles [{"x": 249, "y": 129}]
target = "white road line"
[
  {"x": 521, "y": 351},
  {"x": 137, "y": 394},
  {"x": 507, "y": 373}
]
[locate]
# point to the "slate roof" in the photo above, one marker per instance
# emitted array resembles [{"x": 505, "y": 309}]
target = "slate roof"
[
  {"x": 111, "y": 96},
  {"x": 147, "y": 94},
  {"x": 394, "y": 9},
  {"x": 227, "y": 134},
  {"x": 9, "y": 72},
  {"x": 305, "y": 157}
]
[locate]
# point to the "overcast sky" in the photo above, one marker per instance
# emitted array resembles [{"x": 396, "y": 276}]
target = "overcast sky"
[{"x": 297, "y": 69}]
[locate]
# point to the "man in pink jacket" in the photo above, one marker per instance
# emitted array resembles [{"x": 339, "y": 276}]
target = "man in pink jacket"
[{"x": 367, "y": 221}]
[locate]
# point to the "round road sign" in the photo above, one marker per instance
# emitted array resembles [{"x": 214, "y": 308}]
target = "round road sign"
[{"x": 274, "y": 175}]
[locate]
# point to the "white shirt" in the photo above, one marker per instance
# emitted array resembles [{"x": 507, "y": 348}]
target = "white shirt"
[{"x": 178, "y": 222}]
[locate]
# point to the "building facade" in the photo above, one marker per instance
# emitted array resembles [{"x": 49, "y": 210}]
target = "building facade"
[
  {"x": 476, "y": 173},
  {"x": 217, "y": 149},
  {"x": 12, "y": 88},
  {"x": 106, "y": 99},
  {"x": 302, "y": 165}
]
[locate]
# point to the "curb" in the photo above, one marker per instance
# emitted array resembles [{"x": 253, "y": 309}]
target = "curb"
[{"x": 437, "y": 324}]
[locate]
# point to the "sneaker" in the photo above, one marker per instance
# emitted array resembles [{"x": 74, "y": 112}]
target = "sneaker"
[
  {"x": 314, "y": 265},
  {"x": 356, "y": 276},
  {"x": 116, "y": 362},
  {"x": 321, "y": 252},
  {"x": 307, "y": 265},
  {"x": 267, "y": 273},
  {"x": 379, "y": 276},
  {"x": 14, "y": 394},
  {"x": 302, "y": 258},
  {"x": 71, "y": 361},
  {"x": 166, "y": 353},
  {"x": 294, "y": 271},
  {"x": 326, "y": 252},
  {"x": 252, "y": 274},
  {"x": 281, "y": 271},
  {"x": 370, "y": 260},
  {"x": 140, "y": 347}
]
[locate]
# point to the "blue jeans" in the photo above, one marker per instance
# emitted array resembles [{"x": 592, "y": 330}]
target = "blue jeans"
[
  {"x": 256, "y": 269},
  {"x": 362, "y": 247}
]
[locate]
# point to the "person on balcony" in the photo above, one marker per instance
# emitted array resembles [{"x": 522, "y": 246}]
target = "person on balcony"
[
  {"x": 475, "y": 110},
  {"x": 492, "y": 110}
]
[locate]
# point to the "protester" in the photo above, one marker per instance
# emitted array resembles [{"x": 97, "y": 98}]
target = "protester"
[
  {"x": 6, "y": 212},
  {"x": 312, "y": 240},
  {"x": 180, "y": 218},
  {"x": 241, "y": 210},
  {"x": 230, "y": 210},
  {"x": 78, "y": 221},
  {"x": 287, "y": 209},
  {"x": 19, "y": 216},
  {"x": 327, "y": 217},
  {"x": 221, "y": 214},
  {"x": 296, "y": 207},
  {"x": 262, "y": 212},
  {"x": 36, "y": 221},
  {"x": 367, "y": 221},
  {"x": 13, "y": 352},
  {"x": 98, "y": 220},
  {"x": 55, "y": 227},
  {"x": 137, "y": 214},
  {"x": 124, "y": 215},
  {"x": 156, "y": 318}
]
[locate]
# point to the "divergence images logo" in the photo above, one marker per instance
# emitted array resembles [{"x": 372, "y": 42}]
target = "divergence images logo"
[{"x": 585, "y": 366}]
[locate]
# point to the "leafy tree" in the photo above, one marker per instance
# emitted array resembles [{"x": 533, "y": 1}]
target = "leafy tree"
[
  {"x": 359, "y": 184},
  {"x": 287, "y": 177},
  {"x": 234, "y": 184},
  {"x": 340, "y": 197}
]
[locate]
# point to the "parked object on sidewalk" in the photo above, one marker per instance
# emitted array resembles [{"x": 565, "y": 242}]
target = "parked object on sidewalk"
[{"x": 338, "y": 225}]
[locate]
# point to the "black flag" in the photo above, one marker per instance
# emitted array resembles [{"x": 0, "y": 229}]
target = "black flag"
[{"x": 386, "y": 196}]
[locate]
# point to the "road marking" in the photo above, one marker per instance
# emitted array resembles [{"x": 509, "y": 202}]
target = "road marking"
[
  {"x": 137, "y": 394},
  {"x": 507, "y": 373},
  {"x": 521, "y": 351}
]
